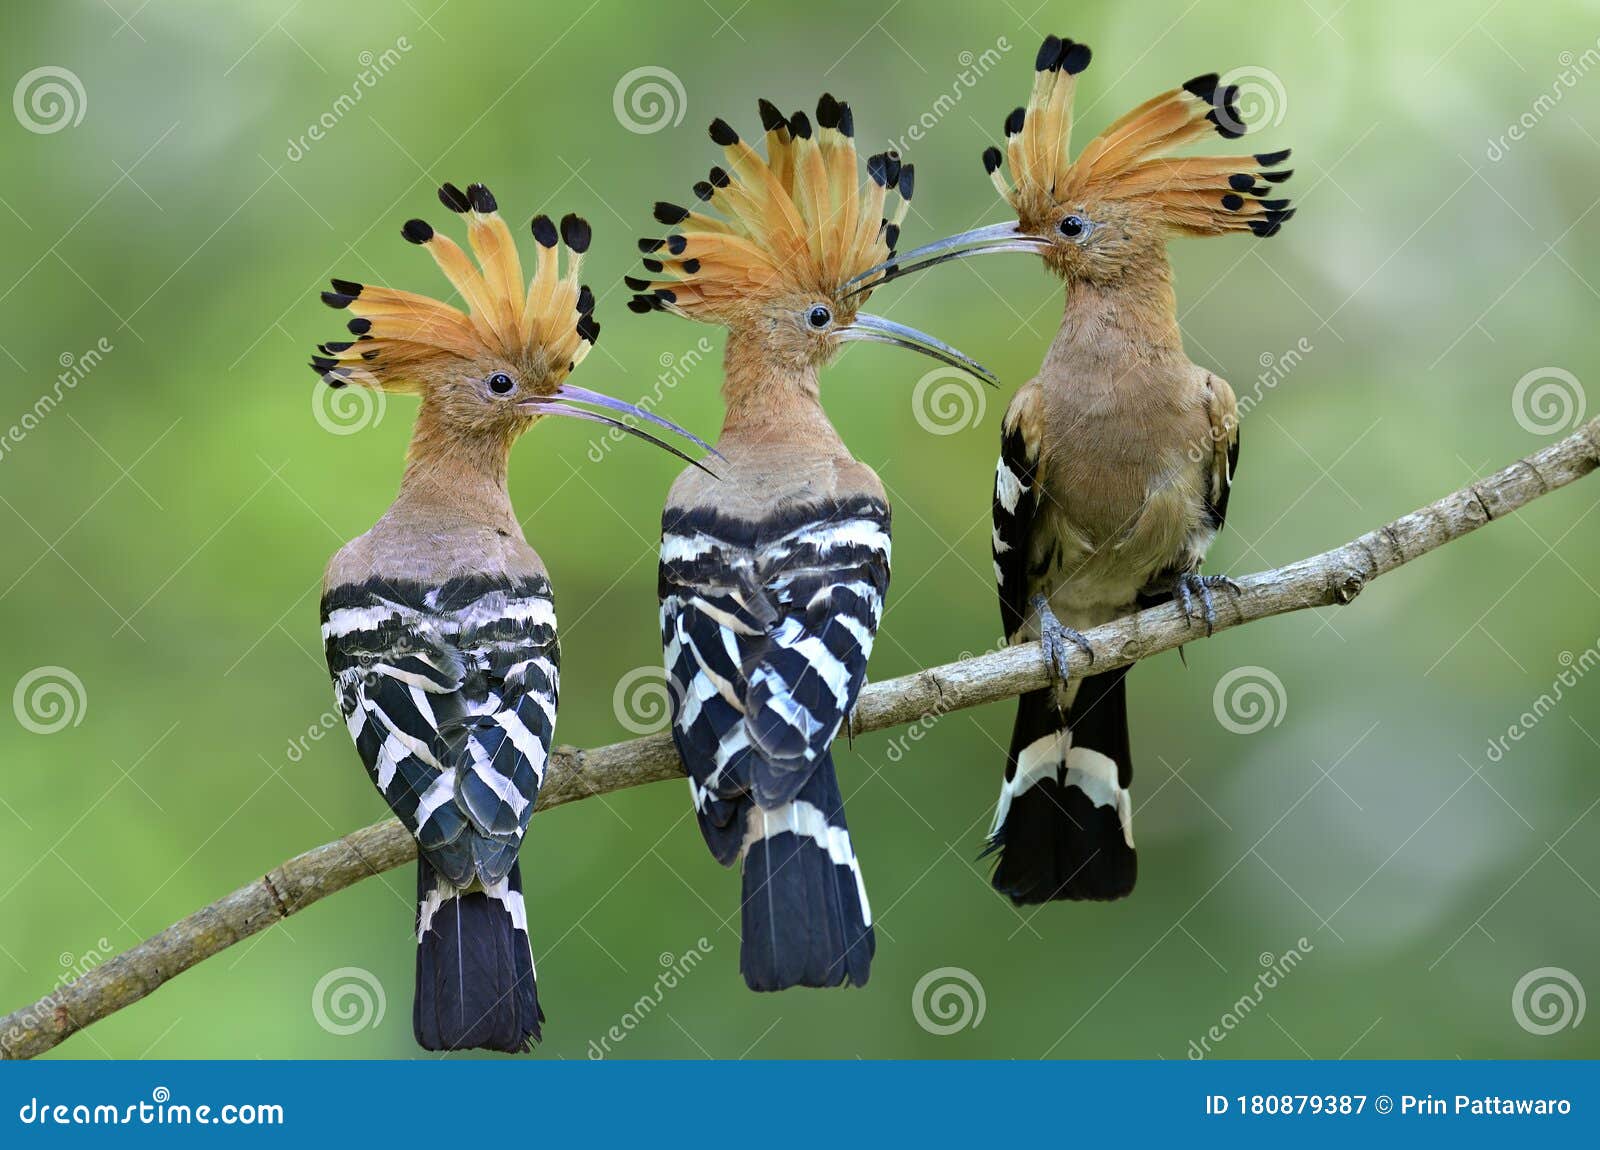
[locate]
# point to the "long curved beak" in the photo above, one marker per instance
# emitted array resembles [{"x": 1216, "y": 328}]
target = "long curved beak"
[
  {"x": 1006, "y": 237},
  {"x": 563, "y": 399},
  {"x": 876, "y": 329}
]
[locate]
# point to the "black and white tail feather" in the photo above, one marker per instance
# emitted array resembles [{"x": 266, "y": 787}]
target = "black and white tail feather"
[
  {"x": 450, "y": 695},
  {"x": 766, "y": 629},
  {"x": 1063, "y": 827}
]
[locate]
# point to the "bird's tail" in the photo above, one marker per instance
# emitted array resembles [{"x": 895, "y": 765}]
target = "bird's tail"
[
  {"x": 1064, "y": 825},
  {"x": 806, "y": 921},
  {"x": 475, "y": 978}
]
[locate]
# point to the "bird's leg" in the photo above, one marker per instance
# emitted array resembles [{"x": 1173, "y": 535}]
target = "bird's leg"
[
  {"x": 1054, "y": 635},
  {"x": 1189, "y": 586}
]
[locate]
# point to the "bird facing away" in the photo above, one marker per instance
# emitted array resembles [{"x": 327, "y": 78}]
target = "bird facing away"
[
  {"x": 772, "y": 583},
  {"x": 438, "y": 623},
  {"x": 1116, "y": 460}
]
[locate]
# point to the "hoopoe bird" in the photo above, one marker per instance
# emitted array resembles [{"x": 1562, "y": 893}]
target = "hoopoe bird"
[
  {"x": 772, "y": 582},
  {"x": 1116, "y": 460},
  {"x": 438, "y": 623}
]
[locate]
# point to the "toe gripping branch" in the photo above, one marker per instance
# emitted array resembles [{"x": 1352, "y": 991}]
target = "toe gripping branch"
[
  {"x": 1190, "y": 587},
  {"x": 1056, "y": 637}
]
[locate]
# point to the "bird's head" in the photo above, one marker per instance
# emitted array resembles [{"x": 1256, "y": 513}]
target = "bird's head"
[
  {"x": 489, "y": 373},
  {"x": 1109, "y": 212},
  {"x": 782, "y": 260}
]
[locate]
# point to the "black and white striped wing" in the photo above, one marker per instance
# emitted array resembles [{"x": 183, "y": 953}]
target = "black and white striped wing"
[
  {"x": 1016, "y": 488},
  {"x": 766, "y": 629},
  {"x": 1222, "y": 411},
  {"x": 450, "y": 695}
]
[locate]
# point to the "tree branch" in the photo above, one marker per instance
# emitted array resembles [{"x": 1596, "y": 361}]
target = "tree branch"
[{"x": 1333, "y": 577}]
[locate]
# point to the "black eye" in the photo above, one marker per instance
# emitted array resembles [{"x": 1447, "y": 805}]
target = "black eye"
[
  {"x": 1072, "y": 227},
  {"x": 819, "y": 317},
  {"x": 500, "y": 383}
]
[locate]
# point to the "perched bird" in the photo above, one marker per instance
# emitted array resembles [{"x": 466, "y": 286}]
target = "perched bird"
[
  {"x": 438, "y": 623},
  {"x": 772, "y": 582},
  {"x": 1116, "y": 460}
]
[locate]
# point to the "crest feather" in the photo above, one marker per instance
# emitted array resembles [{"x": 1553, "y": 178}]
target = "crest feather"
[
  {"x": 1130, "y": 160},
  {"x": 797, "y": 220},
  {"x": 546, "y": 327}
]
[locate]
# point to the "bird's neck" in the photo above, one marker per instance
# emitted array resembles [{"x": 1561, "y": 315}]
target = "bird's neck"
[
  {"x": 769, "y": 401},
  {"x": 1119, "y": 323},
  {"x": 454, "y": 477}
]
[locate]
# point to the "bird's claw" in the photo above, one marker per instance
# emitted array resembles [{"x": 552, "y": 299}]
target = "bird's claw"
[
  {"x": 1188, "y": 587},
  {"x": 1054, "y": 636}
]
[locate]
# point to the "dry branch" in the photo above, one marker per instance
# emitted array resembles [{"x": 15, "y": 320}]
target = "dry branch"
[{"x": 1333, "y": 577}]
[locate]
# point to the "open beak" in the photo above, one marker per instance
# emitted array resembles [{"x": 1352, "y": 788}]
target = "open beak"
[
  {"x": 1006, "y": 237},
  {"x": 563, "y": 399},
  {"x": 876, "y": 329}
]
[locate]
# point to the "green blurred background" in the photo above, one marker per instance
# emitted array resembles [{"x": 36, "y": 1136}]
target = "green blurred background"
[{"x": 166, "y": 523}]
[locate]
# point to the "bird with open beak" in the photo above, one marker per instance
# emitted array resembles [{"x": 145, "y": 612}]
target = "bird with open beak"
[
  {"x": 1116, "y": 460},
  {"x": 438, "y": 623},
  {"x": 772, "y": 583}
]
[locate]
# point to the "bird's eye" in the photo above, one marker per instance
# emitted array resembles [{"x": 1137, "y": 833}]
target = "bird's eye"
[
  {"x": 1073, "y": 226},
  {"x": 819, "y": 317},
  {"x": 500, "y": 383}
]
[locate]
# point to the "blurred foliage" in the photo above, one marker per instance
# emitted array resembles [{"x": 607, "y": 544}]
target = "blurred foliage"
[{"x": 166, "y": 524}]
